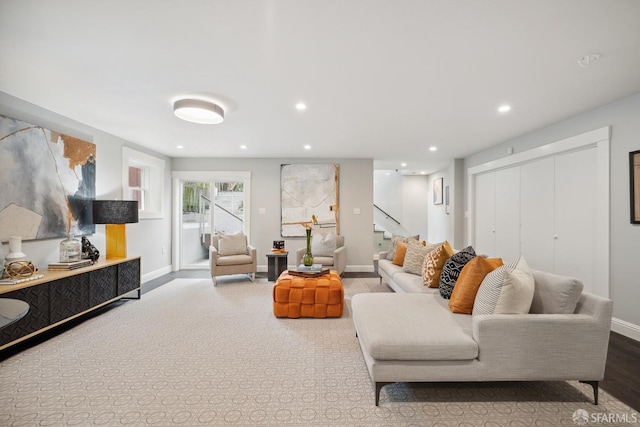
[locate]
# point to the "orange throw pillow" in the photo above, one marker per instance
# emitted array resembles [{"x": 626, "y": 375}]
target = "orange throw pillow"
[
  {"x": 466, "y": 288},
  {"x": 433, "y": 263},
  {"x": 401, "y": 251}
]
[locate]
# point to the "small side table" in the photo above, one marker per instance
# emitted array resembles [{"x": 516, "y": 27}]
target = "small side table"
[{"x": 276, "y": 264}]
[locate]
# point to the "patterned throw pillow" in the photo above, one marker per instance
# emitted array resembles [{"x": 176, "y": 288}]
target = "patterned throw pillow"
[
  {"x": 506, "y": 290},
  {"x": 433, "y": 263},
  {"x": 394, "y": 241},
  {"x": 416, "y": 252},
  {"x": 451, "y": 270},
  {"x": 471, "y": 276}
]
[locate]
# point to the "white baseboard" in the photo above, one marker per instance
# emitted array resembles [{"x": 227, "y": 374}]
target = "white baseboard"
[
  {"x": 155, "y": 274},
  {"x": 360, "y": 268},
  {"x": 625, "y": 328},
  {"x": 350, "y": 268}
]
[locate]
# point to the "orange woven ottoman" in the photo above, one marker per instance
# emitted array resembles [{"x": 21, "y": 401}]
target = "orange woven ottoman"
[{"x": 319, "y": 297}]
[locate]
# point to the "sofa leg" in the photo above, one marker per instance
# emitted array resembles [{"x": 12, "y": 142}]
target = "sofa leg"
[
  {"x": 253, "y": 277},
  {"x": 593, "y": 384},
  {"x": 378, "y": 388},
  {"x": 215, "y": 283}
]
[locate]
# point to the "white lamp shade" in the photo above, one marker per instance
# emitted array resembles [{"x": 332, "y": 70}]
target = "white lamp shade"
[{"x": 198, "y": 111}]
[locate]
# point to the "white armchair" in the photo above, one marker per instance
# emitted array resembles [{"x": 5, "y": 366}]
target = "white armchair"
[
  {"x": 231, "y": 254},
  {"x": 337, "y": 261}
]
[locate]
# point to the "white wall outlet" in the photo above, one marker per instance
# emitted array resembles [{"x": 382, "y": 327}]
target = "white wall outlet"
[
  {"x": 509, "y": 150},
  {"x": 262, "y": 211},
  {"x": 163, "y": 250},
  {"x": 356, "y": 211}
]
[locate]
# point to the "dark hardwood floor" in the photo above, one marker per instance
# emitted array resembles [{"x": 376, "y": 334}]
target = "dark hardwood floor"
[{"x": 621, "y": 378}]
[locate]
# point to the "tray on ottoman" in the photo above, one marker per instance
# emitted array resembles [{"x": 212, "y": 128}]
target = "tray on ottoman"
[{"x": 319, "y": 297}]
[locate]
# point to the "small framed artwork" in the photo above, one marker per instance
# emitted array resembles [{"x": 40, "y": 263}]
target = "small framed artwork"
[
  {"x": 446, "y": 200},
  {"x": 634, "y": 173},
  {"x": 437, "y": 191}
]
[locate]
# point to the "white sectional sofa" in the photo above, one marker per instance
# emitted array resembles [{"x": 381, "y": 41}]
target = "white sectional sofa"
[{"x": 412, "y": 336}]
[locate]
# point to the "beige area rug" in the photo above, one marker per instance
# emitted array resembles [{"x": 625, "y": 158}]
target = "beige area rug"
[{"x": 192, "y": 354}]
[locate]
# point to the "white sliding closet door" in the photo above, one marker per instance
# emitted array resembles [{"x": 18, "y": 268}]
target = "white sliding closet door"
[
  {"x": 550, "y": 204},
  {"x": 537, "y": 216},
  {"x": 575, "y": 201},
  {"x": 507, "y": 214}
]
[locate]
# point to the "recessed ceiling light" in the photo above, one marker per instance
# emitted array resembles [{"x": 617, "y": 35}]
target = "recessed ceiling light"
[
  {"x": 307, "y": 147},
  {"x": 301, "y": 106},
  {"x": 423, "y": 173},
  {"x": 433, "y": 148},
  {"x": 180, "y": 147},
  {"x": 198, "y": 111},
  {"x": 504, "y": 108},
  {"x": 243, "y": 147},
  {"x": 403, "y": 164}
]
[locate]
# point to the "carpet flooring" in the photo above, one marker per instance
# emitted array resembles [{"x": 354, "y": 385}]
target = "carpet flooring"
[{"x": 192, "y": 354}]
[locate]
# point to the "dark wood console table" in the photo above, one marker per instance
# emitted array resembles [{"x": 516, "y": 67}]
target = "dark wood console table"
[{"x": 64, "y": 295}]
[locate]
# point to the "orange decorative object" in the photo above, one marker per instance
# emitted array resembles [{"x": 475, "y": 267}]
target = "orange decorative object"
[
  {"x": 116, "y": 241},
  {"x": 319, "y": 297}
]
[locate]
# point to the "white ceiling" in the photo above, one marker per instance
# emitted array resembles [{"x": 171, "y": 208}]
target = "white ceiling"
[{"x": 382, "y": 79}]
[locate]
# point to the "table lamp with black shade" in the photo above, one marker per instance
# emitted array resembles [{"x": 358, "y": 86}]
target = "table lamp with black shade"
[{"x": 115, "y": 214}]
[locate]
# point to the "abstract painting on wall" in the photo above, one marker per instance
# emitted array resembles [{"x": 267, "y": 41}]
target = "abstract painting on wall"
[
  {"x": 310, "y": 190},
  {"x": 48, "y": 181}
]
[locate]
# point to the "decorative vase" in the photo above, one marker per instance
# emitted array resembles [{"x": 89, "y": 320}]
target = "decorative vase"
[
  {"x": 15, "y": 250},
  {"x": 307, "y": 259},
  {"x": 70, "y": 249}
]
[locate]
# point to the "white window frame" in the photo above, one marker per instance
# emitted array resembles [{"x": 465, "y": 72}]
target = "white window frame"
[{"x": 152, "y": 181}]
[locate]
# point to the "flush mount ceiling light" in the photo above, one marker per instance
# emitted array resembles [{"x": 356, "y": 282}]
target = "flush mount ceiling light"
[
  {"x": 504, "y": 108},
  {"x": 198, "y": 111}
]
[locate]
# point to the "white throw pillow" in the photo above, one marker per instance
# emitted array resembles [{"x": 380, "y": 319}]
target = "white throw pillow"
[
  {"x": 506, "y": 290},
  {"x": 323, "y": 245},
  {"x": 232, "y": 244}
]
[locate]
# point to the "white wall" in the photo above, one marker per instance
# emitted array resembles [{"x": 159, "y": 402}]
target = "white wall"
[
  {"x": 439, "y": 223},
  {"x": 356, "y": 191},
  {"x": 415, "y": 197},
  {"x": 405, "y": 198},
  {"x": 145, "y": 238},
  {"x": 623, "y": 116}
]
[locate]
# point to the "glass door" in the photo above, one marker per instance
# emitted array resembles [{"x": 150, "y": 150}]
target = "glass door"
[
  {"x": 196, "y": 224},
  {"x": 217, "y": 205}
]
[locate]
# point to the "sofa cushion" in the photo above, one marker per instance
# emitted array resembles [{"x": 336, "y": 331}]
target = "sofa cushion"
[
  {"x": 323, "y": 245},
  {"x": 409, "y": 282},
  {"x": 506, "y": 290},
  {"x": 471, "y": 276},
  {"x": 395, "y": 238},
  {"x": 401, "y": 251},
  {"x": 555, "y": 294},
  {"x": 232, "y": 244},
  {"x": 392, "y": 327},
  {"x": 433, "y": 263},
  {"x": 235, "y": 260},
  {"x": 451, "y": 270},
  {"x": 416, "y": 252}
]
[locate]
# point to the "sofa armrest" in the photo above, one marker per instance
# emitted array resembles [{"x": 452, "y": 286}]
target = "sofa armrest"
[
  {"x": 299, "y": 254},
  {"x": 544, "y": 345},
  {"x": 383, "y": 255},
  {"x": 340, "y": 259},
  {"x": 251, "y": 250},
  {"x": 213, "y": 259}
]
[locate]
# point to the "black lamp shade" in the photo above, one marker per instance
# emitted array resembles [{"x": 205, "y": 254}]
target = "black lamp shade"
[{"x": 115, "y": 211}]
